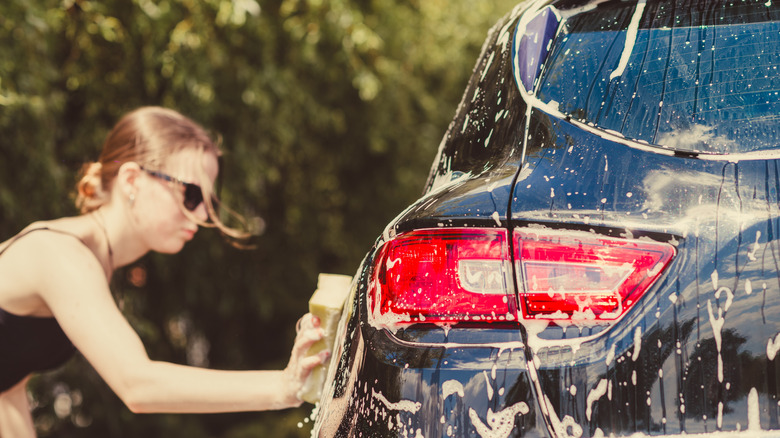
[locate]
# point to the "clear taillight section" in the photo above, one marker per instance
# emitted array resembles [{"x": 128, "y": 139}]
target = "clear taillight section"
[
  {"x": 452, "y": 275},
  {"x": 445, "y": 275},
  {"x": 582, "y": 276}
]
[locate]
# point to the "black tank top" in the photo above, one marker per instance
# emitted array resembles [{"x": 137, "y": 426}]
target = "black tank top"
[{"x": 30, "y": 343}]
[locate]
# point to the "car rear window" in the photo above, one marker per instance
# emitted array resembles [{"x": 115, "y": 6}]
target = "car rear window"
[{"x": 699, "y": 78}]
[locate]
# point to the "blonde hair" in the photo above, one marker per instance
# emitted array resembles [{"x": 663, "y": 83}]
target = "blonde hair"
[{"x": 148, "y": 136}]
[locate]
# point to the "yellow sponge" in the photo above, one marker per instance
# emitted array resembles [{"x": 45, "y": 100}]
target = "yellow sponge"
[{"x": 326, "y": 303}]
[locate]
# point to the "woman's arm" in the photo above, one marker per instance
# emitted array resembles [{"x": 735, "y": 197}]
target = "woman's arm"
[
  {"x": 78, "y": 295},
  {"x": 15, "y": 419}
]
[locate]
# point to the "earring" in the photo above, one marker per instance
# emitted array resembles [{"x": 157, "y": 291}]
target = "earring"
[{"x": 131, "y": 199}]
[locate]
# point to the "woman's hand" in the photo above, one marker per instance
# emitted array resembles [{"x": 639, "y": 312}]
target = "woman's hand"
[{"x": 300, "y": 367}]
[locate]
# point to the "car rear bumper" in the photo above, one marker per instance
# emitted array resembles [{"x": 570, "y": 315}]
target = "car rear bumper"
[{"x": 403, "y": 388}]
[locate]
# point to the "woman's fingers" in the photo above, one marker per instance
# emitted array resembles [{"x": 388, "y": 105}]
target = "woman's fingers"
[
  {"x": 309, "y": 332},
  {"x": 309, "y": 363},
  {"x": 300, "y": 366},
  {"x": 306, "y": 321}
]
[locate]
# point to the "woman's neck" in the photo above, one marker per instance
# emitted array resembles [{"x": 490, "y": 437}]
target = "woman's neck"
[{"x": 122, "y": 244}]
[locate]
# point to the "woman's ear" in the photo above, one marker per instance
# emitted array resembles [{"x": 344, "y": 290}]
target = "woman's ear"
[{"x": 127, "y": 180}]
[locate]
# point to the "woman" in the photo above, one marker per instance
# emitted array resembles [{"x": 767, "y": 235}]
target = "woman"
[{"x": 149, "y": 191}]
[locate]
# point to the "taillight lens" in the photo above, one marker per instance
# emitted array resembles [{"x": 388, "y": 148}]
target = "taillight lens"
[
  {"x": 444, "y": 275},
  {"x": 579, "y": 276},
  {"x": 453, "y": 275}
]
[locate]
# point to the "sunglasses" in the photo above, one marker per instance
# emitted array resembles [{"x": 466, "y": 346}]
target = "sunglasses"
[{"x": 193, "y": 195}]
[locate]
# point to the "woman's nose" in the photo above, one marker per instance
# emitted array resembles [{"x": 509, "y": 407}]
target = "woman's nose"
[{"x": 201, "y": 212}]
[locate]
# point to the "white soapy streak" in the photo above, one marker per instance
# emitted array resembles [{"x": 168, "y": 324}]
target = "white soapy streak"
[
  {"x": 754, "y": 411},
  {"x": 611, "y": 354},
  {"x": 637, "y": 343},
  {"x": 499, "y": 424},
  {"x": 465, "y": 123},
  {"x": 403, "y": 405},
  {"x": 391, "y": 263},
  {"x": 595, "y": 394},
  {"x": 651, "y": 272},
  {"x": 628, "y": 46},
  {"x": 561, "y": 427},
  {"x": 504, "y": 346},
  {"x": 487, "y": 140},
  {"x": 752, "y": 254},
  {"x": 552, "y": 110},
  {"x": 451, "y": 387},
  {"x": 528, "y": 110},
  {"x": 717, "y": 326},
  {"x": 729, "y": 297},
  {"x": 496, "y": 218},
  {"x": 488, "y": 386},
  {"x": 487, "y": 66},
  {"x": 772, "y": 347}
]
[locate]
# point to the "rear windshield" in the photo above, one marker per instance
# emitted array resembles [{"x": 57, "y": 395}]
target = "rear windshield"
[{"x": 699, "y": 78}]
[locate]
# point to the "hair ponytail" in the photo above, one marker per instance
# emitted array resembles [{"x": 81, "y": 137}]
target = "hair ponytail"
[{"x": 90, "y": 194}]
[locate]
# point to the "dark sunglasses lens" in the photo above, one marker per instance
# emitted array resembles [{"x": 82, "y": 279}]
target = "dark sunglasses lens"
[{"x": 192, "y": 196}]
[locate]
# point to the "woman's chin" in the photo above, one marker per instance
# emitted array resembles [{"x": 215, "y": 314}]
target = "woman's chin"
[{"x": 172, "y": 247}]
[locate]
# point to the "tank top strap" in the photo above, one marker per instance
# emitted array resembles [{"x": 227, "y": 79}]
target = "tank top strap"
[{"x": 24, "y": 233}]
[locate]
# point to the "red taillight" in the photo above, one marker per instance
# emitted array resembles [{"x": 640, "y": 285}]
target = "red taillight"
[
  {"x": 581, "y": 276},
  {"x": 453, "y": 275},
  {"x": 444, "y": 275}
]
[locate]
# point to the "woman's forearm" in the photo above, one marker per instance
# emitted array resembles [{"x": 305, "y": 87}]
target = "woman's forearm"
[
  {"x": 150, "y": 386},
  {"x": 171, "y": 388}
]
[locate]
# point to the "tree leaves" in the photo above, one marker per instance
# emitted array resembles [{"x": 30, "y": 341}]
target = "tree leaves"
[{"x": 330, "y": 112}]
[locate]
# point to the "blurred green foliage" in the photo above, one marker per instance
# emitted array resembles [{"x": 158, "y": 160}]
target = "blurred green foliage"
[{"x": 330, "y": 112}]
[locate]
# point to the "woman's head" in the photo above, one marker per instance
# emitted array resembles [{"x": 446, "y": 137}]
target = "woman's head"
[{"x": 157, "y": 142}]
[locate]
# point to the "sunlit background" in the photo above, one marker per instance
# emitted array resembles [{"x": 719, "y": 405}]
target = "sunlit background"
[{"x": 330, "y": 113}]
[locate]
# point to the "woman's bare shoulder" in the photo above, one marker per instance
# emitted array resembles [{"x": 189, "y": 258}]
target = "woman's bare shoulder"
[
  {"x": 53, "y": 245},
  {"x": 38, "y": 258},
  {"x": 75, "y": 226}
]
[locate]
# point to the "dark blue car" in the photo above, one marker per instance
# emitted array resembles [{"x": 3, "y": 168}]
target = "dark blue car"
[{"x": 596, "y": 252}]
